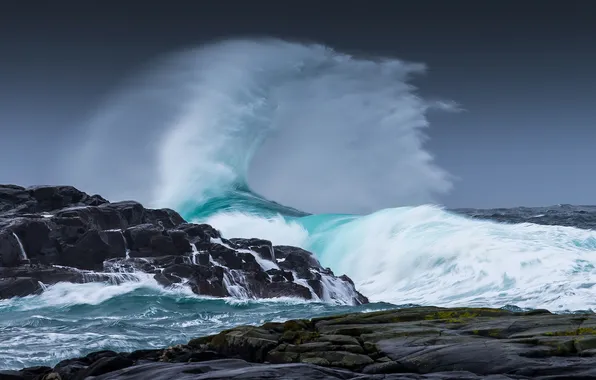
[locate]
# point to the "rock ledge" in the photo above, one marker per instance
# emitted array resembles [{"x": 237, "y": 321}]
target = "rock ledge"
[{"x": 413, "y": 343}]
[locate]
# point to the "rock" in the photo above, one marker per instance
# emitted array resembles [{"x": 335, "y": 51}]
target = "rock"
[
  {"x": 89, "y": 252},
  {"x": 385, "y": 367},
  {"x": 264, "y": 248},
  {"x": 10, "y": 251},
  {"x": 90, "y": 239},
  {"x": 200, "y": 234},
  {"x": 202, "y": 279},
  {"x": 50, "y": 198},
  {"x": 19, "y": 287},
  {"x": 225, "y": 256},
  {"x": 35, "y": 236},
  {"x": 225, "y": 369},
  {"x": 249, "y": 343},
  {"x": 280, "y": 275},
  {"x": 413, "y": 343},
  {"x": 286, "y": 289},
  {"x": 40, "y": 199},
  {"x": 340, "y": 359},
  {"x": 50, "y": 275},
  {"x": 11, "y": 375},
  {"x": 296, "y": 259},
  {"x": 104, "y": 365}
]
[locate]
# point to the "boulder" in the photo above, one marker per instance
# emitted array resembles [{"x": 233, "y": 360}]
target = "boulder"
[{"x": 19, "y": 287}]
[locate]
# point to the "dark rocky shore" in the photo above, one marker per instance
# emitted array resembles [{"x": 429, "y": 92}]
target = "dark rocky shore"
[
  {"x": 413, "y": 343},
  {"x": 52, "y": 234}
]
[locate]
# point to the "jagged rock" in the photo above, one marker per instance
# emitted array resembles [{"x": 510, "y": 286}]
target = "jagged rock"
[
  {"x": 40, "y": 199},
  {"x": 278, "y": 275},
  {"x": 200, "y": 234},
  {"x": 89, "y": 252},
  {"x": 48, "y": 226},
  {"x": 263, "y": 247},
  {"x": 296, "y": 259},
  {"x": 148, "y": 240},
  {"x": 226, "y": 256},
  {"x": 10, "y": 252},
  {"x": 201, "y": 279},
  {"x": 287, "y": 289}
]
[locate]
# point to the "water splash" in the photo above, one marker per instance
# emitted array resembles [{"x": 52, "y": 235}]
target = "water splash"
[
  {"x": 21, "y": 248},
  {"x": 207, "y": 123}
]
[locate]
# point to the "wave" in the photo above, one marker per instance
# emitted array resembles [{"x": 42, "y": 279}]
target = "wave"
[
  {"x": 429, "y": 256},
  {"x": 72, "y": 320},
  {"x": 298, "y": 124},
  {"x": 233, "y": 132}
]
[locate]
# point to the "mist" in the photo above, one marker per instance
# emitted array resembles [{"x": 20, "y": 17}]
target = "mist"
[{"x": 301, "y": 124}]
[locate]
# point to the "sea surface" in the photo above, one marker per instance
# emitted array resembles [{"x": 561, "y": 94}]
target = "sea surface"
[
  {"x": 514, "y": 262},
  {"x": 303, "y": 146}
]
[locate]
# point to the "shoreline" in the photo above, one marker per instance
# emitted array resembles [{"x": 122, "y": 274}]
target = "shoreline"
[{"x": 410, "y": 343}]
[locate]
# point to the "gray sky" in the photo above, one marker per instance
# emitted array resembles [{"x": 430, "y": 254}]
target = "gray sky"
[{"x": 523, "y": 72}]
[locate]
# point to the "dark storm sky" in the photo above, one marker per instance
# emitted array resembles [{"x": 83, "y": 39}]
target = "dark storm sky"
[{"x": 523, "y": 72}]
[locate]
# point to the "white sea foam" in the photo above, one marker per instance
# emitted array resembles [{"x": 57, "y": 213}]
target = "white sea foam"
[{"x": 426, "y": 255}]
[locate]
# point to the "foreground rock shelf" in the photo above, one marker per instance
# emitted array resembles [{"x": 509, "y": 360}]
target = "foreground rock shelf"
[
  {"x": 51, "y": 234},
  {"x": 413, "y": 343}
]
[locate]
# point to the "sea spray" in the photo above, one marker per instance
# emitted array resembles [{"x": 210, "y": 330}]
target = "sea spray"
[
  {"x": 240, "y": 115},
  {"x": 221, "y": 131}
]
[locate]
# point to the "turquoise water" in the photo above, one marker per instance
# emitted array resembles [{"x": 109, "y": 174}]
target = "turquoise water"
[
  {"x": 238, "y": 124},
  {"x": 73, "y": 320}
]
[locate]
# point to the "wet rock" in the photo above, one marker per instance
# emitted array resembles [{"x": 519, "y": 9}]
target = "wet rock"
[
  {"x": 200, "y": 234},
  {"x": 202, "y": 279},
  {"x": 286, "y": 289},
  {"x": 92, "y": 239},
  {"x": 296, "y": 259},
  {"x": 10, "y": 252},
  {"x": 280, "y": 275},
  {"x": 263, "y": 248},
  {"x": 104, "y": 365},
  {"x": 19, "y": 287},
  {"x": 148, "y": 240},
  {"x": 414, "y": 343},
  {"x": 89, "y": 252},
  {"x": 50, "y": 275},
  {"x": 226, "y": 256},
  {"x": 249, "y": 343}
]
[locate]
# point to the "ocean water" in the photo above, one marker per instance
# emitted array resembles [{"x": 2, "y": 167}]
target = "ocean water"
[{"x": 304, "y": 146}]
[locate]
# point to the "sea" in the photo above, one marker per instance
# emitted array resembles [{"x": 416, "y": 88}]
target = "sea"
[{"x": 305, "y": 146}]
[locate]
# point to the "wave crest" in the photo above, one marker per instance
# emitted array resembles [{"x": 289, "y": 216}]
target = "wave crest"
[{"x": 290, "y": 120}]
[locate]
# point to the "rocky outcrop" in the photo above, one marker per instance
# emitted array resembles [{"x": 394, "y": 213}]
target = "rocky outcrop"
[
  {"x": 51, "y": 234},
  {"x": 413, "y": 343}
]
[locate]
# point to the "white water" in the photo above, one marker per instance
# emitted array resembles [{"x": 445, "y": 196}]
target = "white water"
[
  {"x": 336, "y": 291},
  {"x": 22, "y": 249},
  {"x": 194, "y": 254},
  {"x": 425, "y": 255},
  {"x": 125, "y": 244},
  {"x": 323, "y": 131},
  {"x": 206, "y": 118}
]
